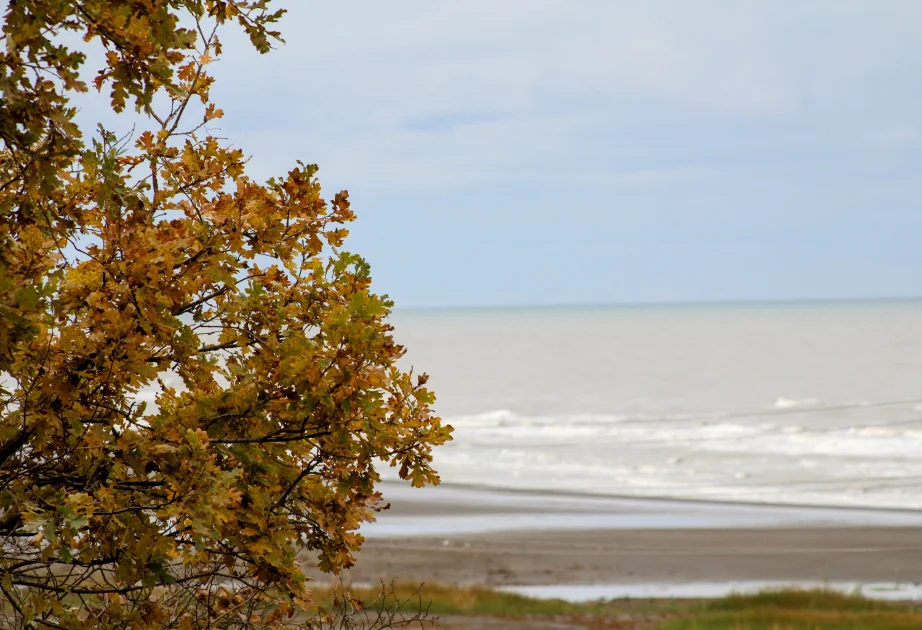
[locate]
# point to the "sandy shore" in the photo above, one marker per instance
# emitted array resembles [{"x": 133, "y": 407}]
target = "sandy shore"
[
  {"x": 659, "y": 556},
  {"x": 470, "y": 536}
]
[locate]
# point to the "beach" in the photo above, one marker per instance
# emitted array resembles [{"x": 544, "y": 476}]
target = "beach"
[
  {"x": 663, "y": 453},
  {"x": 587, "y": 547},
  {"x": 641, "y": 558}
]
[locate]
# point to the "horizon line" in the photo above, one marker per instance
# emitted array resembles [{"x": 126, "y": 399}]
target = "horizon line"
[{"x": 664, "y": 304}]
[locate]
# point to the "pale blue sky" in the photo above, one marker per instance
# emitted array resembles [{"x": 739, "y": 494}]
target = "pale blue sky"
[{"x": 593, "y": 151}]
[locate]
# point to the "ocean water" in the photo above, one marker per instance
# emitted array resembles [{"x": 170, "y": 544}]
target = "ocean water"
[{"x": 809, "y": 403}]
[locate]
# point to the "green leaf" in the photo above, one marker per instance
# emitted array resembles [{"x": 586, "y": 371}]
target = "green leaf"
[{"x": 27, "y": 298}]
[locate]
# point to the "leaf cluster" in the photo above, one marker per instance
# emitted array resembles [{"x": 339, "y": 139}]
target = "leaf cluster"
[{"x": 196, "y": 380}]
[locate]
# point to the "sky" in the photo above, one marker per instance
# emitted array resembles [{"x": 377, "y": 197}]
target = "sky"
[{"x": 532, "y": 152}]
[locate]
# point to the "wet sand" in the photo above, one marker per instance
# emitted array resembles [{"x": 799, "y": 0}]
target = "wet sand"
[
  {"x": 475, "y": 537},
  {"x": 657, "y": 556}
]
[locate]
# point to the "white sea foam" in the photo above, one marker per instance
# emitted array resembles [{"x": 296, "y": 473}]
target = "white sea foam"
[
  {"x": 751, "y": 459},
  {"x": 788, "y": 403}
]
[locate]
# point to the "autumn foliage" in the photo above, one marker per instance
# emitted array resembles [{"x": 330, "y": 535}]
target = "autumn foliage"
[{"x": 196, "y": 382}]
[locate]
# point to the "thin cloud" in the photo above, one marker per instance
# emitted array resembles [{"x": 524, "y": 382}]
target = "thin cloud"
[{"x": 468, "y": 133}]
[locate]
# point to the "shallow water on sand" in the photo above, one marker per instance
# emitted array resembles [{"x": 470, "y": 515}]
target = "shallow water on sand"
[
  {"x": 446, "y": 511},
  {"x": 780, "y": 403},
  {"x": 701, "y": 590}
]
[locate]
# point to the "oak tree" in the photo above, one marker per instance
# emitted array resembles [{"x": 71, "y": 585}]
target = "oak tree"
[{"x": 196, "y": 381}]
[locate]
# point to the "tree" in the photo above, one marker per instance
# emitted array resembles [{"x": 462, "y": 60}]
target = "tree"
[{"x": 153, "y": 264}]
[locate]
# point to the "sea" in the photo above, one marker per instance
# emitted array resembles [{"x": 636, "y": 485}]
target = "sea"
[{"x": 813, "y": 403}]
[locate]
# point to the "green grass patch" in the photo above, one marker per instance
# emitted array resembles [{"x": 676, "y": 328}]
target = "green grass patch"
[
  {"x": 441, "y": 600},
  {"x": 457, "y": 600},
  {"x": 790, "y": 609},
  {"x": 803, "y": 599},
  {"x": 783, "y": 619},
  {"x": 799, "y": 610}
]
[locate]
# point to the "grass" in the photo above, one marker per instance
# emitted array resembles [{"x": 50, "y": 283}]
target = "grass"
[
  {"x": 770, "y": 610},
  {"x": 455, "y": 600},
  {"x": 799, "y": 610},
  {"x": 784, "y": 619}
]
